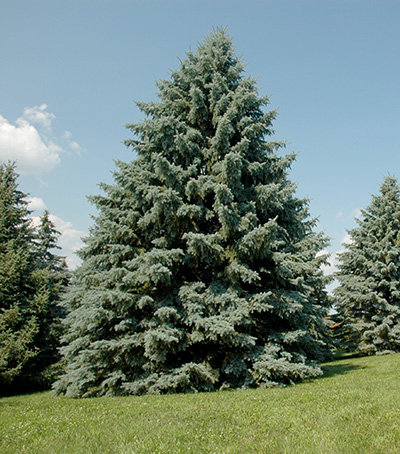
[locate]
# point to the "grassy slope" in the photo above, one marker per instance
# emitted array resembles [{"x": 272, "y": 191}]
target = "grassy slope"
[{"x": 355, "y": 408}]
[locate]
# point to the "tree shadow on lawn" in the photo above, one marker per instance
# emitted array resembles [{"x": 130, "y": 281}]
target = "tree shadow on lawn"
[
  {"x": 15, "y": 392},
  {"x": 338, "y": 369}
]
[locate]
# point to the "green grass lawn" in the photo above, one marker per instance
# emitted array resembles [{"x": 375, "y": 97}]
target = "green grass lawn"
[{"x": 354, "y": 408}]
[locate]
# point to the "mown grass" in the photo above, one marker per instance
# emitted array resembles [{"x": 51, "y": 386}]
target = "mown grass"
[{"x": 354, "y": 408}]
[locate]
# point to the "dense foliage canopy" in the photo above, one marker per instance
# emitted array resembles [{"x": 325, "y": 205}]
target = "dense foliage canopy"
[
  {"x": 31, "y": 282},
  {"x": 368, "y": 297},
  {"x": 202, "y": 270}
]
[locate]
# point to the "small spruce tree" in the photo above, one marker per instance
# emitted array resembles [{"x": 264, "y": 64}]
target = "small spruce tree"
[
  {"x": 202, "y": 270},
  {"x": 53, "y": 271},
  {"x": 368, "y": 295}
]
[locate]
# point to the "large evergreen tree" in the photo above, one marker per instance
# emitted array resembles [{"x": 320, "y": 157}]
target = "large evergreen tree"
[
  {"x": 28, "y": 294},
  {"x": 202, "y": 270},
  {"x": 368, "y": 297}
]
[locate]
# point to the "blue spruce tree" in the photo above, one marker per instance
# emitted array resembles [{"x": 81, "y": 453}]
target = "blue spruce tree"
[
  {"x": 368, "y": 297},
  {"x": 202, "y": 270}
]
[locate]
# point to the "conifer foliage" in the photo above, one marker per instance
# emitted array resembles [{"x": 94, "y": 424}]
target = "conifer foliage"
[
  {"x": 202, "y": 270},
  {"x": 55, "y": 276},
  {"x": 29, "y": 293},
  {"x": 368, "y": 297}
]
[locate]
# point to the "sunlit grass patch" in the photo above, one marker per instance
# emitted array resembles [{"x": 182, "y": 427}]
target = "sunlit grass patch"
[{"x": 354, "y": 408}]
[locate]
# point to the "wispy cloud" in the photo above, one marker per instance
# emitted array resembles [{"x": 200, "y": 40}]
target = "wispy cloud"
[
  {"x": 74, "y": 146},
  {"x": 39, "y": 115},
  {"x": 31, "y": 142}
]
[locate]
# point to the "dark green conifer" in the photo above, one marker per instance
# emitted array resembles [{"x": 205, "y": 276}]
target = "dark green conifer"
[
  {"x": 368, "y": 297},
  {"x": 53, "y": 272},
  {"x": 202, "y": 270},
  {"x": 27, "y": 294},
  {"x": 18, "y": 290}
]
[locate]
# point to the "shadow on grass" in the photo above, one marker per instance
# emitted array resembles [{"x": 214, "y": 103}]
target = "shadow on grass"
[
  {"x": 22, "y": 392},
  {"x": 338, "y": 369}
]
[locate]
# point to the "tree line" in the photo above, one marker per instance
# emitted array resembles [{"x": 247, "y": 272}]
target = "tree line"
[
  {"x": 32, "y": 281},
  {"x": 203, "y": 269}
]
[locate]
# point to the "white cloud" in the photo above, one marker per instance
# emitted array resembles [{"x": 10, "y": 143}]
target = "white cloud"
[
  {"x": 39, "y": 115},
  {"x": 347, "y": 239},
  {"x": 22, "y": 143},
  {"x": 330, "y": 267},
  {"x": 36, "y": 204},
  {"x": 31, "y": 143}
]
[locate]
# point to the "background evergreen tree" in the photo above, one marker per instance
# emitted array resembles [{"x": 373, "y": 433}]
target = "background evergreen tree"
[
  {"x": 54, "y": 275},
  {"x": 18, "y": 323},
  {"x": 368, "y": 297},
  {"x": 202, "y": 270},
  {"x": 25, "y": 294}
]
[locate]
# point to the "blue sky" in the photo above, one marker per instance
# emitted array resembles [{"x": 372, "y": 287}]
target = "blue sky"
[{"x": 71, "y": 71}]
